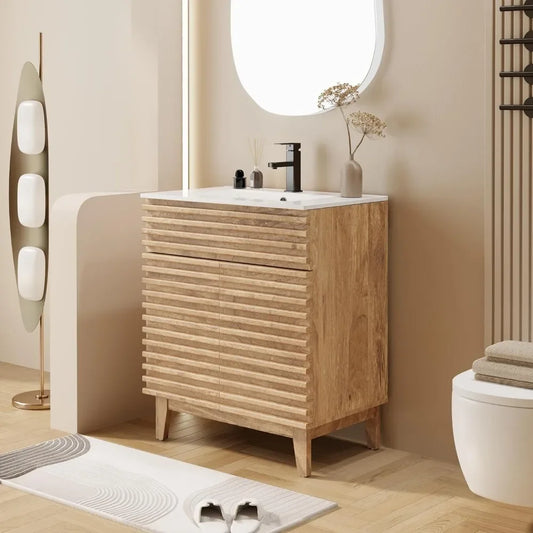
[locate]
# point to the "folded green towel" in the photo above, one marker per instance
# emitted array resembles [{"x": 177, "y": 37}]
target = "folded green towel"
[
  {"x": 503, "y": 370},
  {"x": 503, "y": 381},
  {"x": 513, "y": 352}
]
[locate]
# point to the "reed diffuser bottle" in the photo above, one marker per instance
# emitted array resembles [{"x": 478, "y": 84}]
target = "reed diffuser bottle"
[{"x": 256, "y": 176}]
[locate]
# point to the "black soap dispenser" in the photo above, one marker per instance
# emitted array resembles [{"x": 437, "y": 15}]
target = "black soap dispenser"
[{"x": 239, "y": 181}]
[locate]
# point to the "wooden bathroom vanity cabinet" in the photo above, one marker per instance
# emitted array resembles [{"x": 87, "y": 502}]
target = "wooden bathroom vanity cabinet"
[{"x": 267, "y": 318}]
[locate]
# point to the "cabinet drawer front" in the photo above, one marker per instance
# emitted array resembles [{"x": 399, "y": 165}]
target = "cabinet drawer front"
[{"x": 268, "y": 237}]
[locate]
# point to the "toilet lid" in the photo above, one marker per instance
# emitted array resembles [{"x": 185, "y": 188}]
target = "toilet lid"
[{"x": 467, "y": 386}]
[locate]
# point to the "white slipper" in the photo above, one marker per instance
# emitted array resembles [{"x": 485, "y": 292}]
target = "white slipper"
[
  {"x": 209, "y": 518},
  {"x": 246, "y": 517}
]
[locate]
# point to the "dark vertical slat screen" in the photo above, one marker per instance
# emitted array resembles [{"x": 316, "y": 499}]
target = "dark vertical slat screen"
[{"x": 509, "y": 275}]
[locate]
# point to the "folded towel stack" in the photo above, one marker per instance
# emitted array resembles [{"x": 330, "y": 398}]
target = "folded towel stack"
[{"x": 508, "y": 363}]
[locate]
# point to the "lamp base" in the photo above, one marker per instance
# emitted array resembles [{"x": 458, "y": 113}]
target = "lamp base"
[{"x": 32, "y": 400}]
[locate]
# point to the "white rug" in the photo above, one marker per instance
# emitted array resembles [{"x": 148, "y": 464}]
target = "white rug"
[{"x": 143, "y": 490}]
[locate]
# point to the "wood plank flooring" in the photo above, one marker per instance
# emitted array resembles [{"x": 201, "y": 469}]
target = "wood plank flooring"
[{"x": 385, "y": 491}]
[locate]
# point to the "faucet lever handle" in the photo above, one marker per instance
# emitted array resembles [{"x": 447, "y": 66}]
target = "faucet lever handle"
[{"x": 292, "y": 147}]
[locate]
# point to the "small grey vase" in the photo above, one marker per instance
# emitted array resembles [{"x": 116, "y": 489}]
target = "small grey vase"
[
  {"x": 351, "y": 180},
  {"x": 256, "y": 179}
]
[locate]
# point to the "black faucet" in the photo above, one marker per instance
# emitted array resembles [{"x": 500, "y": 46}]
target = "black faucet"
[{"x": 294, "y": 167}]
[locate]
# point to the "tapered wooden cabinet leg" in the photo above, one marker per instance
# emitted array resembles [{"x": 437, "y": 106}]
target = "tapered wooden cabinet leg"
[
  {"x": 162, "y": 418},
  {"x": 373, "y": 430},
  {"x": 302, "y": 453}
]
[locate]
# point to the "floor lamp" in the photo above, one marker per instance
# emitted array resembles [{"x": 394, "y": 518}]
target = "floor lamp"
[{"x": 28, "y": 213}]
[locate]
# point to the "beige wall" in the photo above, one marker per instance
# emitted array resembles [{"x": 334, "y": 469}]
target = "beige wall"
[
  {"x": 110, "y": 70},
  {"x": 432, "y": 91}
]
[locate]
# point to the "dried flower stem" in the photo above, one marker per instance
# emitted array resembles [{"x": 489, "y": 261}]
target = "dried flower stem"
[
  {"x": 358, "y": 145},
  {"x": 347, "y": 130}
]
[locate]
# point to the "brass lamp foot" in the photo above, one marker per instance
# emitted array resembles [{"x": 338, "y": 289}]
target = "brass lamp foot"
[{"x": 32, "y": 400}]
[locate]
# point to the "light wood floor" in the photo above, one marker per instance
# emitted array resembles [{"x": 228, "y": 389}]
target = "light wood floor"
[{"x": 384, "y": 491}]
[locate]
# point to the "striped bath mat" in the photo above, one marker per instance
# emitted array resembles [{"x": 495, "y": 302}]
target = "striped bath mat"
[{"x": 143, "y": 490}]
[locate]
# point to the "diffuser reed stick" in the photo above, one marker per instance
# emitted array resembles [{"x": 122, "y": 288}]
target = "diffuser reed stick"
[{"x": 256, "y": 150}]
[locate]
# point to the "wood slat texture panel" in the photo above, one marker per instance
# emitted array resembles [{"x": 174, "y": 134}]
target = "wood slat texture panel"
[
  {"x": 191, "y": 362},
  {"x": 230, "y": 309},
  {"x": 204, "y": 237},
  {"x": 245, "y": 323},
  {"x": 234, "y": 415},
  {"x": 197, "y": 346},
  {"x": 263, "y": 419},
  {"x": 270, "y": 237},
  {"x": 225, "y": 228},
  {"x": 245, "y": 400},
  {"x": 260, "y": 294},
  {"x": 180, "y": 352},
  {"x": 509, "y": 228}
]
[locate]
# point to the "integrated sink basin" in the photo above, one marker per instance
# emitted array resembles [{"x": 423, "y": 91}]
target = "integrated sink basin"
[{"x": 276, "y": 198}]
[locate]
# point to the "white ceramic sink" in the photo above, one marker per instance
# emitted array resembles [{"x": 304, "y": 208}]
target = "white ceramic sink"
[{"x": 276, "y": 198}]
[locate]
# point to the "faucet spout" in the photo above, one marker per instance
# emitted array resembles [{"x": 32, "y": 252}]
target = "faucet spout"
[
  {"x": 293, "y": 165},
  {"x": 280, "y": 164}
]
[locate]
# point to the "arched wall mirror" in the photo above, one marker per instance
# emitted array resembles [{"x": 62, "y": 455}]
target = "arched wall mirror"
[{"x": 287, "y": 52}]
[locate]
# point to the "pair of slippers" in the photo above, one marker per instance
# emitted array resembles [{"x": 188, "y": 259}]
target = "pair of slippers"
[{"x": 210, "y": 519}]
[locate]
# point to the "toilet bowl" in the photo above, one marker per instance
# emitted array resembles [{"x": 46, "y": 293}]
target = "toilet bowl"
[{"x": 493, "y": 434}]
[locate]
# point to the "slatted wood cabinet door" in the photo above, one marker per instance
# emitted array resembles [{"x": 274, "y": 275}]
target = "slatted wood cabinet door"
[{"x": 240, "y": 316}]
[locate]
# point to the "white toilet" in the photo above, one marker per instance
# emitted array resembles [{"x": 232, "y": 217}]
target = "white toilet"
[{"x": 493, "y": 433}]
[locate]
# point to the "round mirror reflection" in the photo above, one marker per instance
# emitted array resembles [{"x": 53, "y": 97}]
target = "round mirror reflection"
[{"x": 287, "y": 52}]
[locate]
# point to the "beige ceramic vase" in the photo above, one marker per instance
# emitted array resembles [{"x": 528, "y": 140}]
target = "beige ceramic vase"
[{"x": 351, "y": 180}]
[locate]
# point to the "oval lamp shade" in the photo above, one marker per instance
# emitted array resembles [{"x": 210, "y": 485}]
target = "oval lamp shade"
[
  {"x": 31, "y": 131},
  {"x": 31, "y": 200},
  {"x": 31, "y": 270}
]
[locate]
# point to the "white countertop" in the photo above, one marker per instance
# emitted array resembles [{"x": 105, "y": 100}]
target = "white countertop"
[{"x": 263, "y": 197}]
